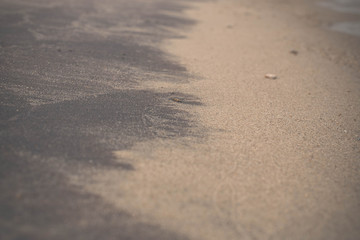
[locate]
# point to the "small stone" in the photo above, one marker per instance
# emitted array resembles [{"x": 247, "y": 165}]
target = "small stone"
[
  {"x": 294, "y": 52},
  {"x": 270, "y": 76},
  {"x": 176, "y": 99}
]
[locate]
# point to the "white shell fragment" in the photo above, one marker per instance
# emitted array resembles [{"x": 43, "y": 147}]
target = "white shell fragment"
[{"x": 270, "y": 76}]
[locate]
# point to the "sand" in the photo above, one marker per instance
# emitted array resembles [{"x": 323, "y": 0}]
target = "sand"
[{"x": 275, "y": 158}]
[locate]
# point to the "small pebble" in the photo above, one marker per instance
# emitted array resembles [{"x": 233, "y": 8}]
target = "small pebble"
[
  {"x": 270, "y": 76},
  {"x": 176, "y": 99},
  {"x": 294, "y": 52}
]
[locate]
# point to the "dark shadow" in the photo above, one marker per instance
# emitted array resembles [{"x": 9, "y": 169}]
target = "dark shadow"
[
  {"x": 89, "y": 129},
  {"x": 68, "y": 71}
]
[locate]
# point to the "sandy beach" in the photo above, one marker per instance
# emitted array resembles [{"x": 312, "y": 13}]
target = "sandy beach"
[
  {"x": 281, "y": 156},
  {"x": 116, "y": 139}
]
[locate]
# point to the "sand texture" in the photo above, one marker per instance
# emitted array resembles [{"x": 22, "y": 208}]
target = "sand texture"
[{"x": 268, "y": 158}]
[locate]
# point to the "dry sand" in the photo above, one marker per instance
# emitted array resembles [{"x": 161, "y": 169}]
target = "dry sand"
[{"x": 280, "y": 159}]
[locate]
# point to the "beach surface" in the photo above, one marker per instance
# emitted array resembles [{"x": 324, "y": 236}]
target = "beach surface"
[
  {"x": 280, "y": 159},
  {"x": 203, "y": 145}
]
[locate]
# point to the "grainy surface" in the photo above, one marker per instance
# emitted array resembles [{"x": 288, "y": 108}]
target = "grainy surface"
[
  {"x": 282, "y": 159},
  {"x": 71, "y": 75},
  {"x": 109, "y": 132}
]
